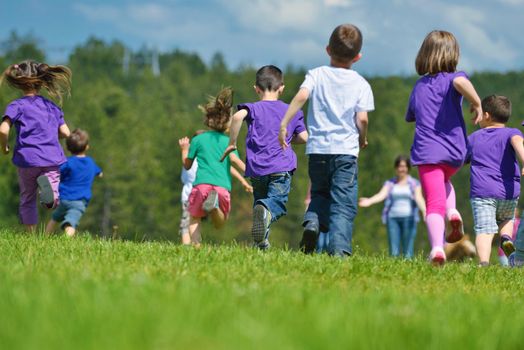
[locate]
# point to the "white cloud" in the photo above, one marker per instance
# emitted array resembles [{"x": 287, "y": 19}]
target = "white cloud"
[{"x": 338, "y": 3}]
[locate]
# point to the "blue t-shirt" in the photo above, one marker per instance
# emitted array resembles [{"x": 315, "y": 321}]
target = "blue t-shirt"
[{"x": 76, "y": 178}]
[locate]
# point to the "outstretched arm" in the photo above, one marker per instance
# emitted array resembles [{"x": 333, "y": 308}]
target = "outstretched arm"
[
  {"x": 184, "y": 148},
  {"x": 376, "y": 198},
  {"x": 296, "y": 104},
  {"x": 362, "y": 125},
  {"x": 466, "y": 89},
  {"x": 518, "y": 146},
  {"x": 236, "y": 124},
  {"x": 237, "y": 162},
  {"x": 5, "y": 127},
  {"x": 241, "y": 179}
]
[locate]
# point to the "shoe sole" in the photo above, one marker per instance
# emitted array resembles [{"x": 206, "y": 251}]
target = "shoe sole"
[
  {"x": 438, "y": 260},
  {"x": 308, "y": 244},
  {"x": 258, "y": 231},
  {"x": 456, "y": 230},
  {"x": 46, "y": 191},
  {"x": 210, "y": 202},
  {"x": 507, "y": 247}
]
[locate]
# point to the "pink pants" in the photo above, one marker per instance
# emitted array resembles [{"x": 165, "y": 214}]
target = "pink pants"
[
  {"x": 440, "y": 197},
  {"x": 28, "y": 209}
]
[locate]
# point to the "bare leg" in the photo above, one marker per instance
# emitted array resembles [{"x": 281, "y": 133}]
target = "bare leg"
[
  {"x": 483, "y": 242},
  {"x": 51, "y": 226},
  {"x": 506, "y": 228},
  {"x": 186, "y": 238},
  {"x": 70, "y": 231},
  {"x": 30, "y": 228},
  {"x": 194, "y": 232},
  {"x": 218, "y": 218}
]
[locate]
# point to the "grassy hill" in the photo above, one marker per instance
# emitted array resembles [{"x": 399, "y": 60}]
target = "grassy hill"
[{"x": 86, "y": 293}]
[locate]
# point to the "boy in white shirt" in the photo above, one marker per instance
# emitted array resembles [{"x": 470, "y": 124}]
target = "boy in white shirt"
[{"x": 337, "y": 121}]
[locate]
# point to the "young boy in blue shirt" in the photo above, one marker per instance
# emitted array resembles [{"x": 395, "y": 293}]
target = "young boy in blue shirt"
[
  {"x": 76, "y": 179},
  {"x": 337, "y": 120}
]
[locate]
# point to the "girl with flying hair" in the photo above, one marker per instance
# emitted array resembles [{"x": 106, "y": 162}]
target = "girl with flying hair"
[{"x": 39, "y": 123}]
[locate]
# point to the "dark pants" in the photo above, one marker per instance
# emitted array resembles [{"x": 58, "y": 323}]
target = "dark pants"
[
  {"x": 334, "y": 192},
  {"x": 272, "y": 192}
]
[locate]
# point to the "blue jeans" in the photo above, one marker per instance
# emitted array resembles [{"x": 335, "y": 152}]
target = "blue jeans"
[
  {"x": 272, "y": 192},
  {"x": 519, "y": 240},
  {"x": 69, "y": 212},
  {"x": 401, "y": 231},
  {"x": 334, "y": 192}
]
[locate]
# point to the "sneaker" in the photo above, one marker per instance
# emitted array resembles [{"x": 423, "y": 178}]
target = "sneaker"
[
  {"x": 46, "y": 191},
  {"x": 513, "y": 261},
  {"x": 264, "y": 245},
  {"x": 437, "y": 257},
  {"x": 261, "y": 221},
  {"x": 211, "y": 201},
  {"x": 454, "y": 229},
  {"x": 506, "y": 244},
  {"x": 308, "y": 244},
  {"x": 483, "y": 264}
]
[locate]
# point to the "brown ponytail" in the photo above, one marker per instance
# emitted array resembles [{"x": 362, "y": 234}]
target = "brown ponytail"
[
  {"x": 30, "y": 75},
  {"x": 218, "y": 110}
]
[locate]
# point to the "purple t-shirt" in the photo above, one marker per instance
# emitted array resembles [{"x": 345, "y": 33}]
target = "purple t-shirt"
[
  {"x": 36, "y": 120},
  {"x": 440, "y": 132},
  {"x": 264, "y": 155},
  {"x": 495, "y": 171}
]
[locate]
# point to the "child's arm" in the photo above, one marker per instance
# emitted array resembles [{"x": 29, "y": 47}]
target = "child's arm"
[
  {"x": 237, "y": 162},
  {"x": 296, "y": 104},
  {"x": 300, "y": 138},
  {"x": 419, "y": 199},
  {"x": 234, "y": 129},
  {"x": 5, "y": 127},
  {"x": 362, "y": 125},
  {"x": 518, "y": 146},
  {"x": 377, "y": 198},
  {"x": 241, "y": 179},
  {"x": 63, "y": 131},
  {"x": 466, "y": 89},
  {"x": 184, "y": 147}
]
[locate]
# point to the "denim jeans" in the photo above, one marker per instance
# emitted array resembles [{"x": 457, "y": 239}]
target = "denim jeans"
[
  {"x": 334, "y": 192},
  {"x": 519, "y": 240},
  {"x": 272, "y": 192},
  {"x": 401, "y": 231}
]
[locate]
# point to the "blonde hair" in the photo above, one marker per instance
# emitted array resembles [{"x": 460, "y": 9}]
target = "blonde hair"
[
  {"x": 439, "y": 52},
  {"x": 31, "y": 75},
  {"x": 218, "y": 110}
]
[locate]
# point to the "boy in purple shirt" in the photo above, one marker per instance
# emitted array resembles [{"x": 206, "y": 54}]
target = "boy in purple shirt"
[
  {"x": 495, "y": 176},
  {"x": 267, "y": 164}
]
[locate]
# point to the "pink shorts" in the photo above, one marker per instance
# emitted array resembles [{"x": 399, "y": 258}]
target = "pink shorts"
[{"x": 199, "y": 194}]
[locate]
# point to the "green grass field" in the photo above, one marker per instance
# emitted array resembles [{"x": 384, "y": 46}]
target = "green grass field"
[{"x": 85, "y": 293}]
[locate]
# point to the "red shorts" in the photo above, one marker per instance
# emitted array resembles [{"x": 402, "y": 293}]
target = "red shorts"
[{"x": 199, "y": 194}]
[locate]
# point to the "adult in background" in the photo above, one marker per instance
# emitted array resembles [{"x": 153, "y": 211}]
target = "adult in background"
[{"x": 403, "y": 196}]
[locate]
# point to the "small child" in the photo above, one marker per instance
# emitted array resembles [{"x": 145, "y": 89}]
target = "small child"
[
  {"x": 211, "y": 190},
  {"x": 439, "y": 146},
  {"x": 39, "y": 123},
  {"x": 76, "y": 179},
  {"x": 495, "y": 176},
  {"x": 268, "y": 165},
  {"x": 337, "y": 126}
]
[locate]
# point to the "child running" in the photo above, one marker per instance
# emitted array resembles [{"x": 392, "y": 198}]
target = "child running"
[
  {"x": 76, "y": 179},
  {"x": 340, "y": 100},
  {"x": 267, "y": 164},
  {"x": 439, "y": 146},
  {"x": 495, "y": 176},
  {"x": 211, "y": 190},
  {"x": 39, "y": 123}
]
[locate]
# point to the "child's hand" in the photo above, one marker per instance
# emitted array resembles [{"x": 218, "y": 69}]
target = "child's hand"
[
  {"x": 363, "y": 141},
  {"x": 282, "y": 135},
  {"x": 247, "y": 187},
  {"x": 477, "y": 114},
  {"x": 184, "y": 143},
  {"x": 5, "y": 150},
  {"x": 228, "y": 150}
]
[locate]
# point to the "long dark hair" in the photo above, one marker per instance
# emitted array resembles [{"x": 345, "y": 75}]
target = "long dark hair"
[{"x": 30, "y": 75}]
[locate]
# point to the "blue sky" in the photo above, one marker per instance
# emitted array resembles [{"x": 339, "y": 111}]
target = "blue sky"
[{"x": 279, "y": 31}]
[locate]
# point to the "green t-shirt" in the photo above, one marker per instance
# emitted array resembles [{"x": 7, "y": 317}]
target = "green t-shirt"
[{"x": 207, "y": 148}]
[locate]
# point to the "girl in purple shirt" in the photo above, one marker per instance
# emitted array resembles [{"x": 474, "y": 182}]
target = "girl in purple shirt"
[
  {"x": 39, "y": 123},
  {"x": 440, "y": 143}
]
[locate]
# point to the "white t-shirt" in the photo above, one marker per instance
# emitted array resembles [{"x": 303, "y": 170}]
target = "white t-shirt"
[
  {"x": 188, "y": 177},
  {"x": 402, "y": 201},
  {"x": 335, "y": 96}
]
